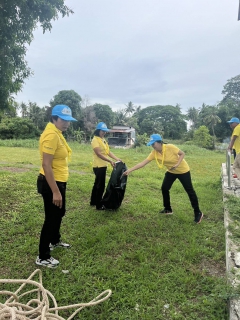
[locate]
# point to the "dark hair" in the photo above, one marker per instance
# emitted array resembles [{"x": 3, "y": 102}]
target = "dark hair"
[
  {"x": 96, "y": 132},
  {"x": 53, "y": 118},
  {"x": 159, "y": 141}
]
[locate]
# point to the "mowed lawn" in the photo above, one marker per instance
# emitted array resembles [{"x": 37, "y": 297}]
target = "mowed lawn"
[{"x": 158, "y": 267}]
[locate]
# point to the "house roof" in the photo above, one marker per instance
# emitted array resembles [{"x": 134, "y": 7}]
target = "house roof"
[{"x": 121, "y": 130}]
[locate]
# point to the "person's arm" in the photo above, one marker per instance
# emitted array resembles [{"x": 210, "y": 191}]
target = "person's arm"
[
  {"x": 97, "y": 150},
  {"x": 47, "y": 167},
  {"x": 230, "y": 146},
  {"x": 181, "y": 155},
  {"x": 136, "y": 167},
  {"x": 111, "y": 155}
]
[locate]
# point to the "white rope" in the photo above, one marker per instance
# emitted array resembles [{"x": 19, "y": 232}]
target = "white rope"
[{"x": 38, "y": 308}]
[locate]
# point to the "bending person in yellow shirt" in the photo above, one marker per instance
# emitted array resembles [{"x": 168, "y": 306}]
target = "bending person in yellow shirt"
[
  {"x": 171, "y": 157},
  {"x": 52, "y": 180},
  {"x": 101, "y": 154}
]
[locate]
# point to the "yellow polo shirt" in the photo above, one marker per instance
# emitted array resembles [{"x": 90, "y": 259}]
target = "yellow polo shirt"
[
  {"x": 170, "y": 159},
  {"x": 236, "y": 132},
  {"x": 98, "y": 162},
  {"x": 51, "y": 143}
]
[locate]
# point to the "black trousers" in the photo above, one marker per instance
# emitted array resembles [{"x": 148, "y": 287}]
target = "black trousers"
[
  {"x": 186, "y": 181},
  {"x": 98, "y": 187},
  {"x": 53, "y": 216}
]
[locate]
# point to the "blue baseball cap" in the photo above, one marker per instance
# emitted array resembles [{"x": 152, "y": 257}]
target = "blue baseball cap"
[
  {"x": 63, "y": 112},
  {"x": 102, "y": 126},
  {"x": 233, "y": 120},
  {"x": 154, "y": 138}
]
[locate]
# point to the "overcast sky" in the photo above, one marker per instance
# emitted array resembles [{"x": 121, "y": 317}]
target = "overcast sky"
[{"x": 146, "y": 51}]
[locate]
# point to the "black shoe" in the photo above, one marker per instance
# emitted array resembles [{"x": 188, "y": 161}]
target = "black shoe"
[
  {"x": 198, "y": 217},
  {"x": 165, "y": 211}
]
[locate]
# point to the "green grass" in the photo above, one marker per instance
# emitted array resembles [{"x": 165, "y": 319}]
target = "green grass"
[{"x": 158, "y": 267}]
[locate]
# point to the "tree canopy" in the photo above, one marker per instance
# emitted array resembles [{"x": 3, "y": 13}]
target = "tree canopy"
[
  {"x": 18, "y": 19},
  {"x": 167, "y": 119}
]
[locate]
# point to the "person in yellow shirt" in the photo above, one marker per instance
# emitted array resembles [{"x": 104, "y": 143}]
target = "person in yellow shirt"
[
  {"x": 172, "y": 158},
  {"x": 235, "y": 143},
  {"x": 101, "y": 158},
  {"x": 51, "y": 183}
]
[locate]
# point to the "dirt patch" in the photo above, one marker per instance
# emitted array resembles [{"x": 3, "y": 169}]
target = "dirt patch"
[
  {"x": 213, "y": 268},
  {"x": 13, "y": 169}
]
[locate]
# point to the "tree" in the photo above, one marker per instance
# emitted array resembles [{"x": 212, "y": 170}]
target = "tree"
[
  {"x": 231, "y": 90},
  {"x": 72, "y": 99},
  {"x": 120, "y": 118},
  {"x": 37, "y": 115},
  {"x": 104, "y": 113},
  {"x": 149, "y": 126},
  {"x": 89, "y": 121},
  {"x": 130, "y": 108},
  {"x": 192, "y": 114},
  {"x": 172, "y": 121},
  {"x": 202, "y": 138},
  {"x": 18, "y": 128},
  {"x": 18, "y": 19},
  {"x": 212, "y": 119}
]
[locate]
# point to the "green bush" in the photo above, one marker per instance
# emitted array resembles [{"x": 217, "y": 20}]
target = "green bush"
[
  {"x": 202, "y": 138},
  {"x": 18, "y": 128}
]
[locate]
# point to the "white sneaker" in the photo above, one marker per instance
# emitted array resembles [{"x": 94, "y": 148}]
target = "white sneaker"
[
  {"x": 50, "y": 263},
  {"x": 60, "y": 244}
]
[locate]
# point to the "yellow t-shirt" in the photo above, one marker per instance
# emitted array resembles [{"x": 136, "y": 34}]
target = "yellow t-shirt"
[
  {"x": 98, "y": 162},
  {"x": 236, "y": 132},
  {"x": 170, "y": 159},
  {"x": 51, "y": 143}
]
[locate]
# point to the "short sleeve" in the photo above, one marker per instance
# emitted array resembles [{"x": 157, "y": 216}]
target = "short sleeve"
[
  {"x": 151, "y": 156},
  {"x": 95, "y": 143},
  {"x": 50, "y": 143}
]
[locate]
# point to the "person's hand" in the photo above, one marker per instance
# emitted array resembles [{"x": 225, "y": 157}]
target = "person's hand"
[
  {"x": 126, "y": 173},
  {"x": 113, "y": 164},
  {"x": 173, "y": 168},
  {"x": 119, "y": 160},
  {"x": 57, "y": 199}
]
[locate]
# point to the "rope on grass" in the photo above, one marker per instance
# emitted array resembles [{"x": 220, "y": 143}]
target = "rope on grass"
[{"x": 38, "y": 308}]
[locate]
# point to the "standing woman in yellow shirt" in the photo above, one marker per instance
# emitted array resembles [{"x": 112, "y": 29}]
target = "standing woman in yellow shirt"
[
  {"x": 52, "y": 180},
  {"x": 171, "y": 157},
  {"x": 101, "y": 154}
]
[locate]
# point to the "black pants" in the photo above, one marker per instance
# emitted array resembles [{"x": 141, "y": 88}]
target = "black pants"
[
  {"x": 53, "y": 216},
  {"x": 186, "y": 181},
  {"x": 98, "y": 187}
]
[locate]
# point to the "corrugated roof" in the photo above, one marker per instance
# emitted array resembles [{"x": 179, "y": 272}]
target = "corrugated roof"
[{"x": 121, "y": 131}]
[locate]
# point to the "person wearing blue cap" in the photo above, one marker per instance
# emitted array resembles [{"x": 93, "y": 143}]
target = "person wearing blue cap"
[
  {"x": 172, "y": 158},
  {"x": 101, "y": 154},
  {"x": 52, "y": 180},
  {"x": 235, "y": 144}
]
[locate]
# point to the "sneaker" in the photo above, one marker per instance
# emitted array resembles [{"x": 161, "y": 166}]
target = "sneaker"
[
  {"x": 50, "y": 263},
  {"x": 234, "y": 175},
  {"x": 165, "y": 211},
  {"x": 198, "y": 217},
  {"x": 60, "y": 244}
]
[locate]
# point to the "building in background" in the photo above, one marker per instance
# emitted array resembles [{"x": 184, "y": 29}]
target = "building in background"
[{"x": 122, "y": 137}]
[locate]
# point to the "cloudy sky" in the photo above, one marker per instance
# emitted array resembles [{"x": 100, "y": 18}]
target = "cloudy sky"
[{"x": 146, "y": 51}]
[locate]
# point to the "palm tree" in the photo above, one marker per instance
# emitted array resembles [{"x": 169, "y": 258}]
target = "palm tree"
[
  {"x": 212, "y": 119},
  {"x": 130, "y": 108},
  {"x": 120, "y": 118},
  {"x": 192, "y": 114}
]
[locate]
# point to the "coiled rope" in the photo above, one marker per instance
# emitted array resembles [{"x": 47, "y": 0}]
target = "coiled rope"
[{"x": 38, "y": 308}]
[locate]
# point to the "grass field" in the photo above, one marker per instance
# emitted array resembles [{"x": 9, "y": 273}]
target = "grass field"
[{"x": 158, "y": 267}]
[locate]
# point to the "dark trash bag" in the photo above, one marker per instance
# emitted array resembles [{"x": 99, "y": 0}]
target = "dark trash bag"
[{"x": 114, "y": 194}]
